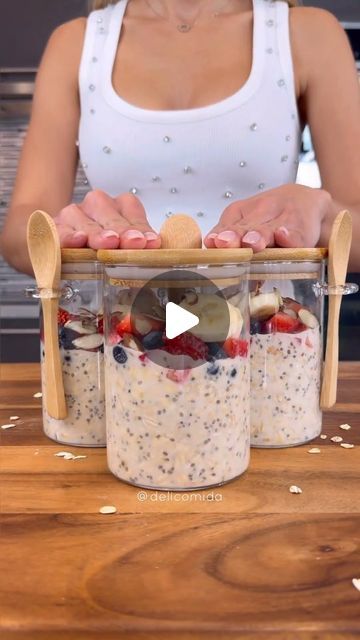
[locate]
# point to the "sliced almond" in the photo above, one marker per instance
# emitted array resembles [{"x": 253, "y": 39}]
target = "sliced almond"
[
  {"x": 14, "y": 418},
  {"x": 347, "y": 445},
  {"x": 323, "y": 436},
  {"x": 308, "y": 318},
  {"x": 314, "y": 450},
  {"x": 79, "y": 457},
  {"x": 336, "y": 439},
  {"x": 345, "y": 427},
  {"x": 64, "y": 454},
  {"x": 107, "y": 509},
  {"x": 89, "y": 342},
  {"x": 83, "y": 328},
  {"x": 37, "y": 395},
  {"x": 295, "y": 489},
  {"x": 7, "y": 426}
]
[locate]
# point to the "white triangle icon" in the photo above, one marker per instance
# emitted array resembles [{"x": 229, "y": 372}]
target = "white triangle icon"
[{"x": 178, "y": 320}]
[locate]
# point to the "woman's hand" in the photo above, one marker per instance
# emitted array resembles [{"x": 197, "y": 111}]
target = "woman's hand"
[
  {"x": 288, "y": 216},
  {"x": 102, "y": 222}
]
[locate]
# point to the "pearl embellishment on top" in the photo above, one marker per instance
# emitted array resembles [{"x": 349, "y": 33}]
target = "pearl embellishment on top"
[
  {"x": 200, "y": 214},
  {"x": 92, "y": 87},
  {"x": 270, "y": 23},
  {"x": 166, "y": 139},
  {"x": 288, "y": 138},
  {"x": 155, "y": 179},
  {"x": 228, "y": 194},
  {"x": 281, "y": 83},
  {"x": 187, "y": 169},
  {"x": 284, "y": 158},
  {"x": 242, "y": 164},
  {"x": 261, "y": 186},
  {"x": 106, "y": 149},
  {"x": 133, "y": 190},
  {"x": 173, "y": 190},
  {"x": 254, "y": 126}
]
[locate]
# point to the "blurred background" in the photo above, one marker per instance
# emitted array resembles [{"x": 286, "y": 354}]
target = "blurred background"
[{"x": 25, "y": 26}]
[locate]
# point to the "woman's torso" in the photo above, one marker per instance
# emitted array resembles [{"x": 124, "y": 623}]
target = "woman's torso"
[{"x": 160, "y": 140}]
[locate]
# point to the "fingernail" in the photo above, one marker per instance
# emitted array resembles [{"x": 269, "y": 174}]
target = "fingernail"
[
  {"x": 133, "y": 235},
  {"x": 109, "y": 234},
  {"x": 212, "y": 236},
  {"x": 228, "y": 236},
  {"x": 150, "y": 235},
  {"x": 252, "y": 237},
  {"x": 284, "y": 230},
  {"x": 79, "y": 234}
]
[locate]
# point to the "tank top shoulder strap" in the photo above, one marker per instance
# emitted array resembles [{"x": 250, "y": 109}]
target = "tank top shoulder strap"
[{"x": 282, "y": 46}]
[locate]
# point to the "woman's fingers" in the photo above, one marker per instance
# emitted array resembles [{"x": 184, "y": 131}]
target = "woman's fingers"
[
  {"x": 96, "y": 237},
  {"x": 258, "y": 239},
  {"x": 133, "y": 212},
  {"x": 287, "y": 237}
]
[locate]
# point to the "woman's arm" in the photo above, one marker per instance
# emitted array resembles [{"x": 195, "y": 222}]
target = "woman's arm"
[
  {"x": 48, "y": 165},
  {"x": 294, "y": 215},
  {"x": 331, "y": 105},
  {"x": 48, "y": 161}
]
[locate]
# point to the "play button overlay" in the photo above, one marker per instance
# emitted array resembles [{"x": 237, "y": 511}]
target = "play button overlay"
[{"x": 180, "y": 320}]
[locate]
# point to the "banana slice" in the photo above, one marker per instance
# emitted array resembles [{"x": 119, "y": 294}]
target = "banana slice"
[
  {"x": 214, "y": 313},
  {"x": 308, "y": 319},
  {"x": 264, "y": 305}
]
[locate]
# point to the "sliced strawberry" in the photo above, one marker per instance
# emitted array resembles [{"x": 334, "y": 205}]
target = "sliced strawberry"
[
  {"x": 187, "y": 345},
  {"x": 282, "y": 323},
  {"x": 178, "y": 375},
  {"x": 113, "y": 338},
  {"x": 100, "y": 325},
  {"x": 236, "y": 347},
  {"x": 63, "y": 317},
  {"x": 124, "y": 326}
]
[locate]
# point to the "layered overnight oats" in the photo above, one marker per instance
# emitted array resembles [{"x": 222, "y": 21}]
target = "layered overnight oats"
[
  {"x": 81, "y": 352},
  {"x": 286, "y": 361},
  {"x": 177, "y": 410}
]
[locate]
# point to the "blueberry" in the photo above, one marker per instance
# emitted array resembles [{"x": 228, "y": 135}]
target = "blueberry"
[
  {"x": 119, "y": 355},
  {"x": 215, "y": 351},
  {"x": 153, "y": 340},
  {"x": 213, "y": 370},
  {"x": 66, "y": 337},
  {"x": 255, "y": 327}
]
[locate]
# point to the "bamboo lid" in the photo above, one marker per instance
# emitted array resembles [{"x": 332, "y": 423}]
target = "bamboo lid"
[
  {"x": 78, "y": 255},
  {"x": 290, "y": 255},
  {"x": 174, "y": 257}
]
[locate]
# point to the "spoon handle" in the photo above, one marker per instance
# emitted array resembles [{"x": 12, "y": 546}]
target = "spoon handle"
[
  {"x": 331, "y": 365},
  {"x": 54, "y": 386}
]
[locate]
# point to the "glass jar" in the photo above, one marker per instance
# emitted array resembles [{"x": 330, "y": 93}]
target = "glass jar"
[
  {"x": 80, "y": 325},
  {"x": 177, "y": 408},
  {"x": 286, "y": 346}
]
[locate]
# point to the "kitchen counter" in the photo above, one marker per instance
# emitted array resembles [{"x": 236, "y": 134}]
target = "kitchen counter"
[{"x": 246, "y": 560}]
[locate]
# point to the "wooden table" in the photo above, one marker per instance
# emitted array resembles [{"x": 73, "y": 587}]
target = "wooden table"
[{"x": 252, "y": 561}]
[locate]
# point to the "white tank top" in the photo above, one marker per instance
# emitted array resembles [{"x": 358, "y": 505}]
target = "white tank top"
[{"x": 195, "y": 161}]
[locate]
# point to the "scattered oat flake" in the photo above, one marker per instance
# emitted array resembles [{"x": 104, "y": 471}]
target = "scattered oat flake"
[
  {"x": 14, "y": 418},
  {"x": 37, "y": 395},
  {"x": 8, "y": 426},
  {"x": 356, "y": 583},
  {"x": 345, "y": 427},
  {"x": 64, "y": 454},
  {"x": 336, "y": 439},
  {"x": 295, "y": 489},
  {"x": 79, "y": 457},
  {"x": 314, "y": 450},
  {"x": 107, "y": 509},
  {"x": 346, "y": 445},
  {"x": 323, "y": 436}
]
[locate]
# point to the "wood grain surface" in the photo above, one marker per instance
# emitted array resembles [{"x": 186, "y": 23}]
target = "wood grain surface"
[{"x": 247, "y": 560}]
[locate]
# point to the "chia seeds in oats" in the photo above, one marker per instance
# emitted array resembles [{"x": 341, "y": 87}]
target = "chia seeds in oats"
[{"x": 184, "y": 451}]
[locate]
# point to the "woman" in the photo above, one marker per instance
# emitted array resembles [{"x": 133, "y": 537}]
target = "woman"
[{"x": 193, "y": 106}]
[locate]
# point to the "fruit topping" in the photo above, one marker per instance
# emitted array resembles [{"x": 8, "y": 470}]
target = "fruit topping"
[
  {"x": 236, "y": 347},
  {"x": 63, "y": 317},
  {"x": 88, "y": 342},
  {"x": 216, "y": 352},
  {"x": 178, "y": 375},
  {"x": 100, "y": 325},
  {"x": 124, "y": 326},
  {"x": 66, "y": 338},
  {"x": 119, "y": 354},
  {"x": 129, "y": 341},
  {"x": 188, "y": 345},
  {"x": 211, "y": 310},
  {"x": 81, "y": 327},
  {"x": 153, "y": 340},
  {"x": 283, "y": 323},
  {"x": 264, "y": 305},
  {"x": 308, "y": 319},
  {"x": 213, "y": 370}
]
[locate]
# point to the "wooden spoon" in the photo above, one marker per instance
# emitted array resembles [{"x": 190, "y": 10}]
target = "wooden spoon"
[
  {"x": 180, "y": 232},
  {"x": 339, "y": 250},
  {"x": 45, "y": 256}
]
